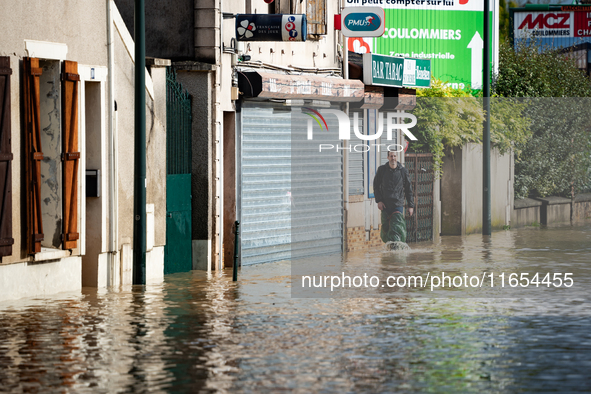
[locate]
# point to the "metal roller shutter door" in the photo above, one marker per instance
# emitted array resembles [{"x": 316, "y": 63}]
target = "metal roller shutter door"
[
  {"x": 290, "y": 199},
  {"x": 356, "y": 161},
  {"x": 317, "y": 189}
]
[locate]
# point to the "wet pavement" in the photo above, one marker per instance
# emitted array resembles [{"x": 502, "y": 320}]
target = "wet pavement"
[{"x": 195, "y": 333}]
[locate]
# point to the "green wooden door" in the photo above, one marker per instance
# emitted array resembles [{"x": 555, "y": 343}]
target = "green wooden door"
[
  {"x": 178, "y": 224},
  {"x": 177, "y": 253}
]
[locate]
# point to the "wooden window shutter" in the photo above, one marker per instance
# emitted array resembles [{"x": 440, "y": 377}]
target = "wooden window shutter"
[
  {"x": 31, "y": 74},
  {"x": 71, "y": 155},
  {"x": 282, "y": 6},
  {"x": 316, "y": 17},
  {"x": 6, "y": 239}
]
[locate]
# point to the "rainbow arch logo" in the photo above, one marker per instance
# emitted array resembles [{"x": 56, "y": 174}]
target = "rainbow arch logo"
[{"x": 316, "y": 116}]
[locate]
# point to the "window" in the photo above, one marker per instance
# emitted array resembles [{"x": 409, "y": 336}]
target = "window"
[
  {"x": 51, "y": 148},
  {"x": 315, "y": 11},
  {"x": 316, "y": 16}
]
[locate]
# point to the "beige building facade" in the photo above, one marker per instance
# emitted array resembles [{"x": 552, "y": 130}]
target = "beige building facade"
[{"x": 69, "y": 117}]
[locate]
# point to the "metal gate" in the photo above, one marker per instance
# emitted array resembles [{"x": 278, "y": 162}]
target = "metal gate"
[
  {"x": 419, "y": 227},
  {"x": 177, "y": 255}
]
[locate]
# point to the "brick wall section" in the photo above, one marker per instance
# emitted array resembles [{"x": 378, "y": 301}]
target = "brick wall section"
[{"x": 356, "y": 239}]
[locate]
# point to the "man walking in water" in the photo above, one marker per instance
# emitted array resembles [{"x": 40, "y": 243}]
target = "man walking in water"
[{"x": 391, "y": 185}]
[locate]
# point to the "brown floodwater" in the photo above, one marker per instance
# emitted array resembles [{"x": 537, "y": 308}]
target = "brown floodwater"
[{"x": 205, "y": 334}]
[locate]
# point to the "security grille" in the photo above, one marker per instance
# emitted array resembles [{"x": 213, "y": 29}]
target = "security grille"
[
  {"x": 178, "y": 126},
  {"x": 419, "y": 227}
]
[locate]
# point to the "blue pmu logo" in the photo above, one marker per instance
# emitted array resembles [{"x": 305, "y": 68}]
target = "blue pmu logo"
[{"x": 362, "y": 21}]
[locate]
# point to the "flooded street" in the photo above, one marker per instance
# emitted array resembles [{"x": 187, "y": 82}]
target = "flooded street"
[{"x": 196, "y": 333}]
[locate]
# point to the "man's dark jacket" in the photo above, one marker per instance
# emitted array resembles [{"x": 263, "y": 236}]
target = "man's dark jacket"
[{"x": 391, "y": 185}]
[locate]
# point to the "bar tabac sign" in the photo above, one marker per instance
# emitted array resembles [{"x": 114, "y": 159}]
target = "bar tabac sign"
[{"x": 396, "y": 71}]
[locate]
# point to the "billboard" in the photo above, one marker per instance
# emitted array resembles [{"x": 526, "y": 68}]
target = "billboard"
[
  {"x": 447, "y": 32},
  {"x": 561, "y": 27}
]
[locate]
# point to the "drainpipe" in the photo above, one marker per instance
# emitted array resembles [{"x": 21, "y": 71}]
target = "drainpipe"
[
  {"x": 139, "y": 172},
  {"x": 345, "y": 142},
  {"x": 112, "y": 142},
  {"x": 345, "y": 151},
  {"x": 220, "y": 142},
  {"x": 486, "y": 195}
]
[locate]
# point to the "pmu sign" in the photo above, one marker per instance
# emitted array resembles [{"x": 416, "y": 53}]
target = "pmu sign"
[
  {"x": 363, "y": 21},
  {"x": 271, "y": 27}
]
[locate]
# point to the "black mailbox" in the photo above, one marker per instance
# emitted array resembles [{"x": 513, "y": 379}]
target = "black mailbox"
[{"x": 93, "y": 183}]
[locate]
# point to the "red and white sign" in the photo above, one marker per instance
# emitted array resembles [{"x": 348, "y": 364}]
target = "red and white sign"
[
  {"x": 582, "y": 24},
  {"x": 544, "y": 24}
]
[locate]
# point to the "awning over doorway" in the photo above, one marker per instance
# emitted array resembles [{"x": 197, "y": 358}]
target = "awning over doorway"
[{"x": 266, "y": 85}]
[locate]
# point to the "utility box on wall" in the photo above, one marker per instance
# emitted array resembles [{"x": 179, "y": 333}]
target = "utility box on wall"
[{"x": 93, "y": 184}]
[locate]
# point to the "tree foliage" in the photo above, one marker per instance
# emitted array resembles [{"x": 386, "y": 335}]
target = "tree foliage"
[
  {"x": 504, "y": 20},
  {"x": 447, "y": 118},
  {"x": 534, "y": 71},
  {"x": 556, "y": 160}
]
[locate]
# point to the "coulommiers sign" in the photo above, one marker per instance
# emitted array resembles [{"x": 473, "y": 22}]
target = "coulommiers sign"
[
  {"x": 396, "y": 71},
  {"x": 279, "y": 86}
]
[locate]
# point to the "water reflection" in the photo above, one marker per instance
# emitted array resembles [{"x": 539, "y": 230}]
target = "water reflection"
[{"x": 207, "y": 334}]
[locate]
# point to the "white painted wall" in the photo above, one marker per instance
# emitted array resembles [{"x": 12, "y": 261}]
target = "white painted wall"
[
  {"x": 461, "y": 187},
  {"x": 501, "y": 185},
  {"x": 53, "y": 31},
  {"x": 78, "y": 31},
  {"x": 39, "y": 279}
]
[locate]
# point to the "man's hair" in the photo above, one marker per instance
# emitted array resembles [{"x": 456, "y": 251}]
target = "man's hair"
[{"x": 391, "y": 151}]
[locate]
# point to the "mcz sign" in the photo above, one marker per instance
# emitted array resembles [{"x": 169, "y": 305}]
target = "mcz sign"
[{"x": 552, "y": 24}]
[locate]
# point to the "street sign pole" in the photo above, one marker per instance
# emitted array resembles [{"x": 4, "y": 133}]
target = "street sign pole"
[
  {"x": 486, "y": 201},
  {"x": 139, "y": 173}
]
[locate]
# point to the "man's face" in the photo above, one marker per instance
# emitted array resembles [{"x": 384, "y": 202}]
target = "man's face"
[{"x": 392, "y": 158}]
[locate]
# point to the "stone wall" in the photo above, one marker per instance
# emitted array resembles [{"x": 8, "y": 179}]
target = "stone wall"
[
  {"x": 551, "y": 211},
  {"x": 582, "y": 208},
  {"x": 526, "y": 213}
]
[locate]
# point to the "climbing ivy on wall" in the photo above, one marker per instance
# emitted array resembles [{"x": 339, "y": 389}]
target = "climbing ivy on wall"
[{"x": 448, "y": 118}]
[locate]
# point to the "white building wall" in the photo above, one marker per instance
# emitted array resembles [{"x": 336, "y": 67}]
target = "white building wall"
[
  {"x": 77, "y": 31},
  {"x": 54, "y": 31},
  {"x": 311, "y": 56}
]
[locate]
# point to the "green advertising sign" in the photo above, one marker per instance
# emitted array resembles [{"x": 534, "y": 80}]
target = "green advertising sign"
[
  {"x": 396, "y": 71},
  {"x": 449, "y": 33}
]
